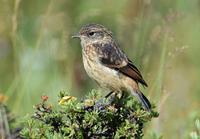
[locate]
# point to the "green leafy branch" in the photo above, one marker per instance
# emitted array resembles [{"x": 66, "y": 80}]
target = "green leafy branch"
[{"x": 94, "y": 117}]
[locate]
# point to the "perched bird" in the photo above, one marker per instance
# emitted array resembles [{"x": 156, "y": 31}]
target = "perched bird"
[{"x": 107, "y": 64}]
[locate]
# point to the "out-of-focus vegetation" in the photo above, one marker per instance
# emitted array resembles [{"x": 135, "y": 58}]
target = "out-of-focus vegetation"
[
  {"x": 38, "y": 57},
  {"x": 195, "y": 134}
]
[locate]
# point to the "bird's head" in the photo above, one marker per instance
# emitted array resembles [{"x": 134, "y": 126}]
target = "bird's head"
[{"x": 92, "y": 33}]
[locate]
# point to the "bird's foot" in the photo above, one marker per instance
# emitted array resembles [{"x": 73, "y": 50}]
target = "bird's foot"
[{"x": 104, "y": 102}]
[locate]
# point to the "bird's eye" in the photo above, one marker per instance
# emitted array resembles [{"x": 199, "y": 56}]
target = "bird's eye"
[{"x": 91, "y": 33}]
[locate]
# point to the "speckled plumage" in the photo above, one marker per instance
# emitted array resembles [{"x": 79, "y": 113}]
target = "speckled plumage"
[
  {"x": 104, "y": 76},
  {"x": 107, "y": 64}
]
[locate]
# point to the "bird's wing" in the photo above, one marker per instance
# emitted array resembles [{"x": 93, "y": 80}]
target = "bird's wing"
[{"x": 113, "y": 57}]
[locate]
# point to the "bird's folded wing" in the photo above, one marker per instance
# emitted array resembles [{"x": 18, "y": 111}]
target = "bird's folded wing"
[{"x": 113, "y": 57}]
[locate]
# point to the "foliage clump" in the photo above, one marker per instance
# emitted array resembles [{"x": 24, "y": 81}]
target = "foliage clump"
[{"x": 94, "y": 117}]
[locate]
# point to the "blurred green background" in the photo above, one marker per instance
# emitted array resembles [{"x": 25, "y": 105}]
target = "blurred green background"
[{"x": 162, "y": 37}]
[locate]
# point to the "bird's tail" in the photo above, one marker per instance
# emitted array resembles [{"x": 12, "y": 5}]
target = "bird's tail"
[{"x": 145, "y": 102}]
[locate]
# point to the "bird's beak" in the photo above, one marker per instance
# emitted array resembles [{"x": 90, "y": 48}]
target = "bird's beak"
[{"x": 77, "y": 35}]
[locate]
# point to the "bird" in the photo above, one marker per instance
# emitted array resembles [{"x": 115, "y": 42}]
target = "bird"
[{"x": 107, "y": 64}]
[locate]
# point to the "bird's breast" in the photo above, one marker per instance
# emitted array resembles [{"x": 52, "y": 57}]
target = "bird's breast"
[{"x": 104, "y": 76}]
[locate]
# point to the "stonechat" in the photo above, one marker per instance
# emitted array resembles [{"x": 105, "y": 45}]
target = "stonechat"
[{"x": 107, "y": 64}]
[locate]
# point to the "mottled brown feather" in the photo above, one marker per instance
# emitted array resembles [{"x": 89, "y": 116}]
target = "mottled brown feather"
[
  {"x": 133, "y": 73},
  {"x": 114, "y": 58}
]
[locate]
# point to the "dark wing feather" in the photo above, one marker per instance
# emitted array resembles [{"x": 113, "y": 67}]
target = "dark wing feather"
[
  {"x": 131, "y": 71},
  {"x": 113, "y": 57}
]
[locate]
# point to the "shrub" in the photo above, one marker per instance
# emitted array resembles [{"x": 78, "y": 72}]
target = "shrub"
[{"x": 94, "y": 117}]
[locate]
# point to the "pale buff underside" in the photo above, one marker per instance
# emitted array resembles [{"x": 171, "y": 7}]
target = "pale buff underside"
[{"x": 106, "y": 77}]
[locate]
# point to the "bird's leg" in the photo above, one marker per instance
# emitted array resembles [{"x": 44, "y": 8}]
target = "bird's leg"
[
  {"x": 99, "y": 103},
  {"x": 123, "y": 95},
  {"x": 109, "y": 94},
  {"x": 113, "y": 96}
]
